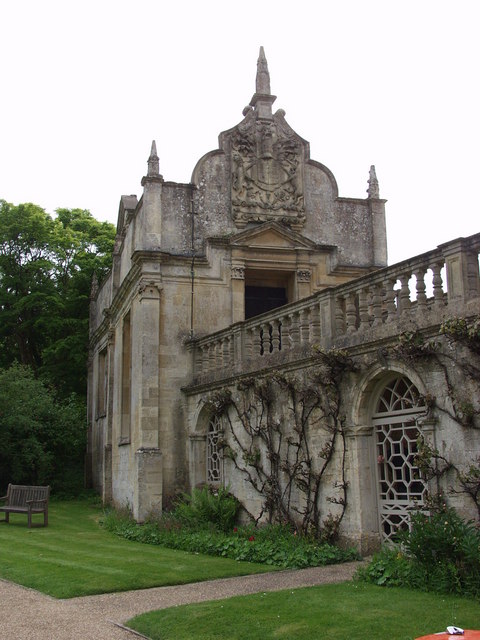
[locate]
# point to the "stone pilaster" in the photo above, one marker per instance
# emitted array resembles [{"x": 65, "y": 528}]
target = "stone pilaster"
[
  {"x": 304, "y": 277},
  {"x": 145, "y": 363},
  {"x": 198, "y": 459},
  {"x": 238, "y": 292},
  {"x": 362, "y": 489},
  {"x": 147, "y": 496},
  {"x": 107, "y": 474}
]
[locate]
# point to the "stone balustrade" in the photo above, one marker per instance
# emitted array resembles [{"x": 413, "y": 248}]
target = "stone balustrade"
[{"x": 413, "y": 294}]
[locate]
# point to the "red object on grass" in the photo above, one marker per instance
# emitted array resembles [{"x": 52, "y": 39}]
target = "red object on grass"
[{"x": 468, "y": 634}]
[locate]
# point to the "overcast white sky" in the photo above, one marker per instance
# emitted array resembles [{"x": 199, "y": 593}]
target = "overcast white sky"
[{"x": 86, "y": 86}]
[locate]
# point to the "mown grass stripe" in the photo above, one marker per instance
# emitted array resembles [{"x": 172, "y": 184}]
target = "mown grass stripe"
[{"x": 74, "y": 556}]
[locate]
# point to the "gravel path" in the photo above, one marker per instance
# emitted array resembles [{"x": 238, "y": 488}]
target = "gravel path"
[{"x": 28, "y": 614}]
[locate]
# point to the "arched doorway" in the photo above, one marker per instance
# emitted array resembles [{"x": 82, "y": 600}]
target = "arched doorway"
[{"x": 400, "y": 486}]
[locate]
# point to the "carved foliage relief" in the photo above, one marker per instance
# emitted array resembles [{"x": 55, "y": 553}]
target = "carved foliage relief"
[{"x": 267, "y": 174}]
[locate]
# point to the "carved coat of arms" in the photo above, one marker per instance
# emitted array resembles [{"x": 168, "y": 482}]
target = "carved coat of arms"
[{"x": 267, "y": 173}]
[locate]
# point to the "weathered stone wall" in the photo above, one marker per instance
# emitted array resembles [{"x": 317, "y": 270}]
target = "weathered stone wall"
[{"x": 446, "y": 377}]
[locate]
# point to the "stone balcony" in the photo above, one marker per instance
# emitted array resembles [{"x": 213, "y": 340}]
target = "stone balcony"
[{"x": 415, "y": 294}]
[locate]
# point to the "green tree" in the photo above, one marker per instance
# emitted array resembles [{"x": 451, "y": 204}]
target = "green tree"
[
  {"x": 42, "y": 436},
  {"x": 46, "y": 268}
]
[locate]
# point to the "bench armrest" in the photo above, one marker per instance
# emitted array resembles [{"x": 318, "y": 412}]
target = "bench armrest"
[
  {"x": 36, "y": 501},
  {"x": 3, "y": 497}
]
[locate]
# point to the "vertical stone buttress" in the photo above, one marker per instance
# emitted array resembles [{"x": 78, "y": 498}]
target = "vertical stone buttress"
[{"x": 148, "y": 484}]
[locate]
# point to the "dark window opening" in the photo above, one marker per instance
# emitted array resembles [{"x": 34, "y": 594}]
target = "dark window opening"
[{"x": 262, "y": 299}]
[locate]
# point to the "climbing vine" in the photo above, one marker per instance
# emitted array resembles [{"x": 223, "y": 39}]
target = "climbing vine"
[
  {"x": 282, "y": 431},
  {"x": 434, "y": 465},
  {"x": 413, "y": 346}
]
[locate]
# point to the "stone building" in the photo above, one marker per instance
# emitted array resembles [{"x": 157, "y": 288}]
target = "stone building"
[{"x": 257, "y": 270}]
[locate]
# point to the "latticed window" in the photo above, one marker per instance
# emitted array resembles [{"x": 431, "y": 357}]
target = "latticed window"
[
  {"x": 214, "y": 459},
  {"x": 401, "y": 487}
]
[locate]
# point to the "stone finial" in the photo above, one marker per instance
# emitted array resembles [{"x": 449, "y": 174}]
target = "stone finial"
[
  {"x": 153, "y": 162},
  {"x": 373, "y": 188},
  {"x": 262, "y": 99},
  {"x": 263, "y": 76}
]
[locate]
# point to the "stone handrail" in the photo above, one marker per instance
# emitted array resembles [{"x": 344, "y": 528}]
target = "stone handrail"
[{"x": 416, "y": 293}]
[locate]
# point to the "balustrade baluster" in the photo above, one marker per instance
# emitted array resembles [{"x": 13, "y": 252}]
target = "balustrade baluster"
[
  {"x": 205, "y": 358},
  {"x": 390, "y": 298},
  {"x": 363, "y": 308},
  {"x": 420, "y": 288},
  {"x": 339, "y": 315},
  {"x": 276, "y": 335},
  {"x": 404, "y": 294},
  {"x": 351, "y": 313},
  {"x": 294, "y": 329},
  {"x": 305, "y": 326},
  {"x": 315, "y": 324},
  {"x": 257, "y": 341},
  {"x": 212, "y": 356},
  {"x": 218, "y": 354},
  {"x": 377, "y": 305},
  {"x": 231, "y": 351},
  {"x": 265, "y": 338},
  {"x": 249, "y": 342},
  {"x": 226, "y": 352},
  {"x": 436, "y": 267}
]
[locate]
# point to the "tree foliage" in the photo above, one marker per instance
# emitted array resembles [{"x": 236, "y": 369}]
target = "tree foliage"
[
  {"x": 46, "y": 268},
  {"x": 43, "y": 437}
]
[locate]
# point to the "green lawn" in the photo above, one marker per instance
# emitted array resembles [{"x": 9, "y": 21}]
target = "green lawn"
[
  {"x": 350, "y": 611},
  {"x": 74, "y": 556}
]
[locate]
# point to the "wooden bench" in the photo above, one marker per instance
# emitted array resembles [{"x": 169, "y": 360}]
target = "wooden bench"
[{"x": 24, "y": 499}]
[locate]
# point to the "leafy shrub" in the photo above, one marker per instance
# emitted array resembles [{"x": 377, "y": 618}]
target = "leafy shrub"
[
  {"x": 273, "y": 545},
  {"x": 440, "y": 553},
  {"x": 208, "y": 506},
  {"x": 388, "y": 568},
  {"x": 447, "y": 548}
]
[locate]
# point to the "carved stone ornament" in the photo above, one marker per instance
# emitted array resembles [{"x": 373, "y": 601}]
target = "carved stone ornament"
[
  {"x": 238, "y": 273},
  {"x": 267, "y": 173},
  {"x": 304, "y": 275},
  {"x": 146, "y": 288}
]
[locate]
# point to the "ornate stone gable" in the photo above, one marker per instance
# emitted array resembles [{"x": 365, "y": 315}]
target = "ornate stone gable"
[
  {"x": 267, "y": 173},
  {"x": 267, "y": 162}
]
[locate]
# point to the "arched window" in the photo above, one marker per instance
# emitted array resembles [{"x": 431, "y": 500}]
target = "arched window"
[
  {"x": 214, "y": 459},
  {"x": 400, "y": 486}
]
